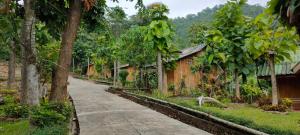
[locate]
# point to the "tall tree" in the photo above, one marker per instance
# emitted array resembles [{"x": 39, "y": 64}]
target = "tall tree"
[
  {"x": 59, "y": 81},
  {"x": 30, "y": 77},
  {"x": 160, "y": 32},
  {"x": 271, "y": 42},
  {"x": 229, "y": 20},
  {"x": 116, "y": 18},
  {"x": 10, "y": 36}
]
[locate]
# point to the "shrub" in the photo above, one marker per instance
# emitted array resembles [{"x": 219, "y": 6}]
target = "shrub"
[
  {"x": 9, "y": 100},
  {"x": 16, "y": 111},
  {"x": 42, "y": 117},
  {"x": 287, "y": 102},
  {"x": 196, "y": 93},
  {"x": 123, "y": 76},
  {"x": 51, "y": 130},
  {"x": 171, "y": 87},
  {"x": 64, "y": 109},
  {"x": 279, "y": 108},
  {"x": 264, "y": 101},
  {"x": 250, "y": 92}
]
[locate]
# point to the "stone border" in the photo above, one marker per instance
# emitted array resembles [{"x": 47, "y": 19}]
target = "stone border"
[
  {"x": 189, "y": 116},
  {"x": 74, "y": 128}
]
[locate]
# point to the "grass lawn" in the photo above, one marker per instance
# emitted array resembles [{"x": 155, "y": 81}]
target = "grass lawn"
[
  {"x": 246, "y": 115},
  {"x": 14, "y": 128},
  {"x": 249, "y": 116}
]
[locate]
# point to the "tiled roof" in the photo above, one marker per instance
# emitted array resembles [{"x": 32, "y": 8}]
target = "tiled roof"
[{"x": 283, "y": 68}]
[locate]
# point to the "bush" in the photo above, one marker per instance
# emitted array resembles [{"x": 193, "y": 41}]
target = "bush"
[
  {"x": 287, "y": 102},
  {"x": 250, "y": 92},
  {"x": 64, "y": 109},
  {"x": 16, "y": 111},
  {"x": 51, "y": 114},
  {"x": 42, "y": 117},
  {"x": 279, "y": 108},
  {"x": 171, "y": 87},
  {"x": 9, "y": 100},
  {"x": 123, "y": 77},
  {"x": 264, "y": 101}
]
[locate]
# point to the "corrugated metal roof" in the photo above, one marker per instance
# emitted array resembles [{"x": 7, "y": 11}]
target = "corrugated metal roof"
[
  {"x": 189, "y": 51},
  {"x": 283, "y": 68}
]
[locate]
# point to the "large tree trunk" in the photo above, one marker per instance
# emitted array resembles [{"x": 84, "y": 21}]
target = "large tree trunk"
[
  {"x": 11, "y": 65},
  {"x": 59, "y": 82},
  {"x": 30, "y": 77},
  {"x": 115, "y": 73},
  {"x": 273, "y": 80},
  {"x": 237, "y": 85},
  {"x": 160, "y": 71}
]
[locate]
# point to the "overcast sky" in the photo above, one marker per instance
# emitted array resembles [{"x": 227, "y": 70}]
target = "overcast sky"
[{"x": 179, "y": 8}]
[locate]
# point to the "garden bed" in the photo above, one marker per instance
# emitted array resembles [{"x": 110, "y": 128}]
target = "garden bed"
[
  {"x": 189, "y": 116},
  {"x": 21, "y": 126}
]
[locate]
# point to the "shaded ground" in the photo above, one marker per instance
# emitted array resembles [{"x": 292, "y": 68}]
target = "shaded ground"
[{"x": 100, "y": 112}]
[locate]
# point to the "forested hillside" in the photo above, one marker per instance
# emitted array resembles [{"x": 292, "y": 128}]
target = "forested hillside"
[{"x": 182, "y": 24}]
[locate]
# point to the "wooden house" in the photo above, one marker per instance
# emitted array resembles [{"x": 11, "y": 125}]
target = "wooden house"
[
  {"x": 182, "y": 74},
  {"x": 105, "y": 73},
  {"x": 131, "y": 72},
  {"x": 288, "y": 80}
]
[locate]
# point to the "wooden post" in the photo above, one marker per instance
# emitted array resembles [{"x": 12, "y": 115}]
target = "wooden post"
[{"x": 88, "y": 68}]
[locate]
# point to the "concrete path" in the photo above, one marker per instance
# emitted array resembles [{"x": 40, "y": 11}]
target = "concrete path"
[{"x": 102, "y": 113}]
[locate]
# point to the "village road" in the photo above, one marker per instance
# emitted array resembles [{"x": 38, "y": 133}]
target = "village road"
[{"x": 103, "y": 113}]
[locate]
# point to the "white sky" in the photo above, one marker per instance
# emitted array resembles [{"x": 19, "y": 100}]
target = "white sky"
[{"x": 179, "y": 8}]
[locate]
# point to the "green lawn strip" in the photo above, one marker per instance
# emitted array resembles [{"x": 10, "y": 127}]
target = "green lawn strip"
[
  {"x": 280, "y": 124},
  {"x": 250, "y": 116}
]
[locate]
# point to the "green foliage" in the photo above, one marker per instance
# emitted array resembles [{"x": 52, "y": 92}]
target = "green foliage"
[
  {"x": 184, "y": 25},
  {"x": 250, "y": 92},
  {"x": 49, "y": 114},
  {"x": 62, "y": 108},
  {"x": 47, "y": 57},
  {"x": 197, "y": 33},
  {"x": 287, "y": 102},
  {"x": 9, "y": 100},
  {"x": 135, "y": 50},
  {"x": 171, "y": 87},
  {"x": 123, "y": 77},
  {"x": 152, "y": 79},
  {"x": 51, "y": 130},
  {"x": 279, "y": 108},
  {"x": 42, "y": 117},
  {"x": 269, "y": 36},
  {"x": 16, "y": 111}
]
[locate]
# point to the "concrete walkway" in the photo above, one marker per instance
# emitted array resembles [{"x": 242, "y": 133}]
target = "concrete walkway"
[{"x": 102, "y": 113}]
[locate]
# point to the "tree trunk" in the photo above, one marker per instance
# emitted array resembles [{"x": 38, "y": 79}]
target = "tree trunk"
[
  {"x": 30, "y": 77},
  {"x": 160, "y": 71},
  {"x": 115, "y": 73},
  {"x": 59, "y": 82},
  {"x": 237, "y": 85},
  {"x": 11, "y": 65},
  {"x": 273, "y": 80}
]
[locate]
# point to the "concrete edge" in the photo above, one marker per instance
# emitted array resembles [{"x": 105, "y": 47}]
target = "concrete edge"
[{"x": 74, "y": 123}]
